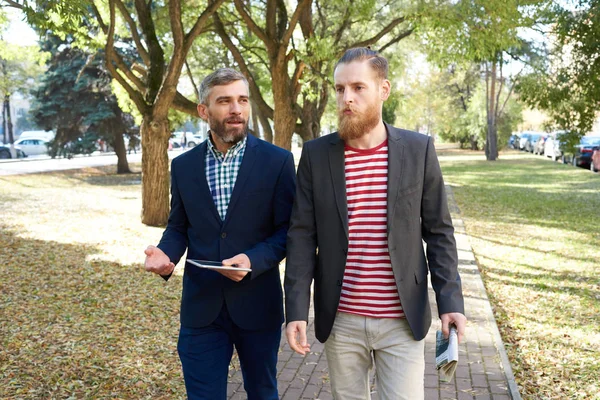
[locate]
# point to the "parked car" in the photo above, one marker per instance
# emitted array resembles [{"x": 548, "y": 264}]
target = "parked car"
[
  {"x": 33, "y": 146},
  {"x": 531, "y": 141},
  {"x": 513, "y": 140},
  {"x": 525, "y": 136},
  {"x": 553, "y": 146},
  {"x": 5, "y": 152},
  {"x": 538, "y": 145},
  {"x": 584, "y": 150},
  {"x": 192, "y": 140},
  {"x": 595, "y": 164}
]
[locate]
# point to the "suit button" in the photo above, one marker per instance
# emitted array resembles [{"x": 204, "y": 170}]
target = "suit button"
[
  {"x": 339, "y": 282},
  {"x": 223, "y": 235}
]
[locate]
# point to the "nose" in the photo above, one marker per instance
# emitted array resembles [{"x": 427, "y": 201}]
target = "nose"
[
  {"x": 347, "y": 97},
  {"x": 235, "y": 108}
]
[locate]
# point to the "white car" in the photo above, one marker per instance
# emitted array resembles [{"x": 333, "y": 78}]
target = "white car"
[{"x": 32, "y": 146}]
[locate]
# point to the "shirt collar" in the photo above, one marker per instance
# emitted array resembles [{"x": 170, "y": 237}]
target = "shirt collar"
[{"x": 232, "y": 151}]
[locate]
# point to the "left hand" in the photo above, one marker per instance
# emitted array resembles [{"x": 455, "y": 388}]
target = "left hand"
[
  {"x": 241, "y": 261},
  {"x": 456, "y": 318}
]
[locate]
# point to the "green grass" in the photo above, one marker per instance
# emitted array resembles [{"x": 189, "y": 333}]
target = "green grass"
[
  {"x": 79, "y": 318},
  {"x": 535, "y": 231}
]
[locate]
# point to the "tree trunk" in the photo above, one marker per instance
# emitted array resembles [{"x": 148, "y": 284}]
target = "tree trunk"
[
  {"x": 121, "y": 152},
  {"x": 9, "y": 126},
  {"x": 284, "y": 115},
  {"x": 155, "y": 171},
  {"x": 491, "y": 144},
  {"x": 254, "y": 119}
]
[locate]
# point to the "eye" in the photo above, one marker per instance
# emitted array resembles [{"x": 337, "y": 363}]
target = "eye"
[
  {"x": 359, "y": 88},
  {"x": 244, "y": 101},
  {"x": 339, "y": 90}
]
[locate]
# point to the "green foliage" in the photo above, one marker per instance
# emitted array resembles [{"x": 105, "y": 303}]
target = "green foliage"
[
  {"x": 390, "y": 108},
  {"x": 568, "y": 88},
  {"x": 74, "y": 99},
  {"x": 475, "y": 30}
]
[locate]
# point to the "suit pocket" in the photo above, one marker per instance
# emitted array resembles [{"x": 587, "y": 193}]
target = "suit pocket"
[
  {"x": 420, "y": 275},
  {"x": 411, "y": 190}
]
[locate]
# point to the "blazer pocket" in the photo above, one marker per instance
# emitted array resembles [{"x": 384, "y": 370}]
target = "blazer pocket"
[
  {"x": 410, "y": 190},
  {"x": 420, "y": 275}
]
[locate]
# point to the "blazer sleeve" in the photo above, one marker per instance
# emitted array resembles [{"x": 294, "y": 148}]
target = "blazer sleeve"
[
  {"x": 269, "y": 253},
  {"x": 438, "y": 233},
  {"x": 302, "y": 245},
  {"x": 174, "y": 240}
]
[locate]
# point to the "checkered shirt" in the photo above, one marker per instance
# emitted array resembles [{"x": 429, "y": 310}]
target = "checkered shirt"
[{"x": 221, "y": 173}]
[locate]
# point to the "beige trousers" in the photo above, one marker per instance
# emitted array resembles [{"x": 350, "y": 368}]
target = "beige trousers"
[{"x": 356, "y": 341}]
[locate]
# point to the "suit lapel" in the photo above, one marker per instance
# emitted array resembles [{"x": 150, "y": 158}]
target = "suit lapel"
[
  {"x": 203, "y": 183},
  {"x": 395, "y": 161},
  {"x": 244, "y": 174},
  {"x": 338, "y": 176}
]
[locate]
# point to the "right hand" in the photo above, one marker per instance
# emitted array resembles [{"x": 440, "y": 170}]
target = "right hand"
[
  {"x": 157, "y": 261},
  {"x": 295, "y": 332}
]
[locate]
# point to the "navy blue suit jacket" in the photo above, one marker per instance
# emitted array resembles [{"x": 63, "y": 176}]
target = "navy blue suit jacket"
[{"x": 256, "y": 224}]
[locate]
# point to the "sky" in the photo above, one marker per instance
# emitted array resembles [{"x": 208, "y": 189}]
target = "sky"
[{"x": 19, "y": 32}]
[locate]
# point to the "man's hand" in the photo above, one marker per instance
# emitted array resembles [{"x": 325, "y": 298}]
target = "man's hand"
[
  {"x": 157, "y": 261},
  {"x": 295, "y": 332},
  {"x": 456, "y": 318},
  {"x": 240, "y": 261}
]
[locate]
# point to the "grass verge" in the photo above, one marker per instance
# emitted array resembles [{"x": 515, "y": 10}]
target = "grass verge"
[
  {"x": 79, "y": 318},
  {"x": 535, "y": 232}
]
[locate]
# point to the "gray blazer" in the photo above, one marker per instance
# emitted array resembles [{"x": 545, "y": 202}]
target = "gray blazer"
[{"x": 417, "y": 211}]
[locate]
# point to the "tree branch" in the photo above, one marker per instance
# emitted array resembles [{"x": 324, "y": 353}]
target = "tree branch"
[
  {"x": 176, "y": 25},
  {"x": 200, "y": 24},
  {"x": 295, "y": 80},
  {"x": 191, "y": 76},
  {"x": 14, "y": 4},
  {"x": 183, "y": 104},
  {"x": 134, "y": 95},
  {"x": 99, "y": 18},
  {"x": 254, "y": 28},
  {"x": 134, "y": 32},
  {"x": 381, "y": 33},
  {"x": 397, "y": 39},
  {"x": 293, "y": 21},
  {"x": 265, "y": 109}
]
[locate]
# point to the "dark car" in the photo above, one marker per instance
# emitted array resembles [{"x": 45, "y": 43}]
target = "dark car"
[
  {"x": 582, "y": 157},
  {"x": 5, "y": 152}
]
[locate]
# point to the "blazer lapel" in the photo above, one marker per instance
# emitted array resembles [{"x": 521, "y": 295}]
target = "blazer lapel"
[
  {"x": 338, "y": 176},
  {"x": 395, "y": 170},
  {"x": 244, "y": 174},
  {"x": 203, "y": 183}
]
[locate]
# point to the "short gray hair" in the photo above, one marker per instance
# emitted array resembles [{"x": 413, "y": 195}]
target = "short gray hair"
[{"x": 222, "y": 76}]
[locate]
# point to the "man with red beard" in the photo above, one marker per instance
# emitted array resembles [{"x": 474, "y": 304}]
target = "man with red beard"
[
  {"x": 367, "y": 197},
  {"x": 231, "y": 199}
]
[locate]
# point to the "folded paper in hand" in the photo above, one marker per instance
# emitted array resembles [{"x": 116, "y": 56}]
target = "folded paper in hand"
[{"x": 446, "y": 353}]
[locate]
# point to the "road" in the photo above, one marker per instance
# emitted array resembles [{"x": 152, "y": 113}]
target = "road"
[{"x": 35, "y": 164}]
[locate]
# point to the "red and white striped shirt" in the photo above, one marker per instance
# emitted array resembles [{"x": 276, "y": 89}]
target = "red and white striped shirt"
[{"x": 369, "y": 287}]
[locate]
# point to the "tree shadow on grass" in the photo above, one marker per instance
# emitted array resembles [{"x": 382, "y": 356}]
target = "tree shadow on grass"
[{"x": 70, "y": 327}]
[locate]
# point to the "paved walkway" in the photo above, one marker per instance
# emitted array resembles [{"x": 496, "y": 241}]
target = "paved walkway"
[{"x": 483, "y": 371}]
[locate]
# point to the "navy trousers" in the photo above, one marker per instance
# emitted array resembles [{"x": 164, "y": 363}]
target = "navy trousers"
[{"x": 206, "y": 352}]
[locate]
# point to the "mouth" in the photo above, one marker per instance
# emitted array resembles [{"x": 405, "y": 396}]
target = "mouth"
[{"x": 234, "y": 122}]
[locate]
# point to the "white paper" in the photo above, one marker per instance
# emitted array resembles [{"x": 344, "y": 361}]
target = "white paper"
[{"x": 216, "y": 265}]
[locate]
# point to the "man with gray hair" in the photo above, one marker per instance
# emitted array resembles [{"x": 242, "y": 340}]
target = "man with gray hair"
[{"x": 231, "y": 199}]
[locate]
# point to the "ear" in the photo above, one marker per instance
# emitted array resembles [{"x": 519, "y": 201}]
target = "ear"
[
  {"x": 202, "y": 111},
  {"x": 385, "y": 89}
]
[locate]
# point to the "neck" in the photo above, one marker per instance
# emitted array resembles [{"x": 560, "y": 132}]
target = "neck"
[
  {"x": 219, "y": 144},
  {"x": 371, "y": 139}
]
